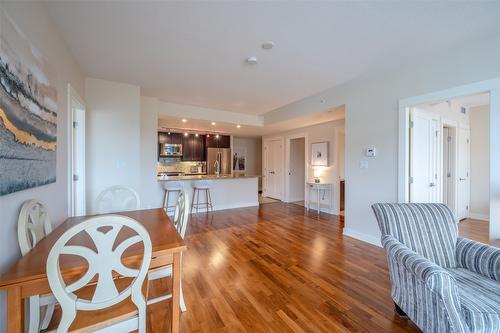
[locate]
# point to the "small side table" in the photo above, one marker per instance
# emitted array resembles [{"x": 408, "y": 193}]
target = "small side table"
[{"x": 318, "y": 187}]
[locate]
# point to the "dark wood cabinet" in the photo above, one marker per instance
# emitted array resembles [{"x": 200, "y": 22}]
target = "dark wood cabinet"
[
  {"x": 193, "y": 148},
  {"x": 173, "y": 138},
  {"x": 342, "y": 194},
  {"x": 223, "y": 141}
]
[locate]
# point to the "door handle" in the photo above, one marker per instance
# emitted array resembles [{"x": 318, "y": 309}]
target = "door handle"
[
  {"x": 461, "y": 179},
  {"x": 432, "y": 184}
]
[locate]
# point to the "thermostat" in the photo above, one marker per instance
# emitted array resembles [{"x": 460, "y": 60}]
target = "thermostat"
[{"x": 371, "y": 152}]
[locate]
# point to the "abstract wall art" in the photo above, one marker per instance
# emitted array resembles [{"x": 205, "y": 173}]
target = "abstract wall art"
[{"x": 28, "y": 113}]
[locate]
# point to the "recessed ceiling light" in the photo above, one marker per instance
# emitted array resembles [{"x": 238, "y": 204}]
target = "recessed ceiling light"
[
  {"x": 213, "y": 123},
  {"x": 185, "y": 134},
  {"x": 196, "y": 135},
  {"x": 168, "y": 133},
  {"x": 238, "y": 126},
  {"x": 184, "y": 120},
  {"x": 268, "y": 45},
  {"x": 252, "y": 60}
]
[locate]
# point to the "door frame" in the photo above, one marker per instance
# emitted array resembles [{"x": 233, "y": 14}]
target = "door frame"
[
  {"x": 288, "y": 139},
  {"x": 445, "y": 122},
  {"x": 73, "y": 99},
  {"x": 466, "y": 127},
  {"x": 491, "y": 86},
  {"x": 265, "y": 143}
]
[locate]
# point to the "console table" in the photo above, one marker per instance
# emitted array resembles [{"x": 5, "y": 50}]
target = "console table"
[{"x": 319, "y": 188}]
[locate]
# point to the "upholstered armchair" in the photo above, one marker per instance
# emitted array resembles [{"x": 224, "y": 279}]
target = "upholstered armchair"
[{"x": 443, "y": 283}]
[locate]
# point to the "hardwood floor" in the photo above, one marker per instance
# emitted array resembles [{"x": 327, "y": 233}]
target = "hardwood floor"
[
  {"x": 276, "y": 269},
  {"x": 476, "y": 230}
]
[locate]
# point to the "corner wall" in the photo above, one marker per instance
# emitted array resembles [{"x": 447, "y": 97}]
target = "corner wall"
[{"x": 34, "y": 22}]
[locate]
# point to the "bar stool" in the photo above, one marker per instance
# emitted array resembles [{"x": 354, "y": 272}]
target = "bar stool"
[
  {"x": 170, "y": 187},
  {"x": 202, "y": 185}
]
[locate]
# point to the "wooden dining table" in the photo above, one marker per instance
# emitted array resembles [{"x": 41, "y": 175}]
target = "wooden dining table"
[{"x": 28, "y": 275}]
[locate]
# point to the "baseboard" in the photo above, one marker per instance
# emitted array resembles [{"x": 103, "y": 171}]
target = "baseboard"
[
  {"x": 478, "y": 216},
  {"x": 362, "y": 237},
  {"x": 231, "y": 206}
]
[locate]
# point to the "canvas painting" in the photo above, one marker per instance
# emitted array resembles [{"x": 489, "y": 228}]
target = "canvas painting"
[
  {"x": 239, "y": 159},
  {"x": 28, "y": 113},
  {"x": 319, "y": 154}
]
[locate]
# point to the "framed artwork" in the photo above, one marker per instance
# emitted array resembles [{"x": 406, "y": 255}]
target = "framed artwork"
[
  {"x": 319, "y": 154},
  {"x": 28, "y": 113},
  {"x": 239, "y": 159}
]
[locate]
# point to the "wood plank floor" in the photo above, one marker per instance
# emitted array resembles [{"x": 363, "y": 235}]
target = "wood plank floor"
[
  {"x": 477, "y": 230},
  {"x": 276, "y": 269}
]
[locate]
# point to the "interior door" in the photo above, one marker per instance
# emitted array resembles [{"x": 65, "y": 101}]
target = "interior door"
[
  {"x": 424, "y": 157},
  {"x": 463, "y": 192},
  {"x": 78, "y": 162},
  {"x": 274, "y": 172}
]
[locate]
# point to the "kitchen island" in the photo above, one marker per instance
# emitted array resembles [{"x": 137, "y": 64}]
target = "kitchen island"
[{"x": 227, "y": 191}]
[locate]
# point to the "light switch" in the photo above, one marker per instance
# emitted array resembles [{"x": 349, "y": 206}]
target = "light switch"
[{"x": 363, "y": 164}]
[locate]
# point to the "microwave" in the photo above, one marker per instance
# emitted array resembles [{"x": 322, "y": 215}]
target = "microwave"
[{"x": 170, "y": 150}]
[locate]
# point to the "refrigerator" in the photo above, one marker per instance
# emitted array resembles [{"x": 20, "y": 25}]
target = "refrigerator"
[{"x": 223, "y": 155}]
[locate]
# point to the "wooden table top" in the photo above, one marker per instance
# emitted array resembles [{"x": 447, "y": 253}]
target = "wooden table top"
[{"x": 164, "y": 239}]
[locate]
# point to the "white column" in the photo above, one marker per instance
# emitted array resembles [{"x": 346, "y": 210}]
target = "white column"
[{"x": 495, "y": 164}]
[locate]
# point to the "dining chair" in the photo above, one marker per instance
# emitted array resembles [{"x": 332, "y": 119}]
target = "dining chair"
[
  {"x": 33, "y": 225},
  {"x": 117, "y": 198},
  {"x": 180, "y": 220},
  {"x": 112, "y": 304}
]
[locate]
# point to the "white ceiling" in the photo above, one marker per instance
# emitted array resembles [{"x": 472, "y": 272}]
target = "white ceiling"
[
  {"x": 172, "y": 123},
  {"x": 474, "y": 100},
  {"x": 193, "y": 52}
]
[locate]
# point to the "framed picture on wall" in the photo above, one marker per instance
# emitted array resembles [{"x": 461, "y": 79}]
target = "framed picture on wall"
[
  {"x": 239, "y": 159},
  {"x": 319, "y": 154}
]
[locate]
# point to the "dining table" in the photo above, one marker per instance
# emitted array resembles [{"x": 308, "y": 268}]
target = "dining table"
[{"x": 28, "y": 276}]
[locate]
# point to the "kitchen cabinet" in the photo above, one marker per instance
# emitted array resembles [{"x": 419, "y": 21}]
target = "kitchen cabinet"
[
  {"x": 193, "y": 148},
  {"x": 173, "y": 138},
  {"x": 223, "y": 141}
]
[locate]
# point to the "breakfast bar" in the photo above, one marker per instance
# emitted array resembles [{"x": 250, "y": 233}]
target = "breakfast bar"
[{"x": 226, "y": 191}]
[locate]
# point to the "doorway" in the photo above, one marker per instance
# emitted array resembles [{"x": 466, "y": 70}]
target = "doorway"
[
  {"x": 296, "y": 182},
  {"x": 449, "y": 155},
  {"x": 76, "y": 148}
]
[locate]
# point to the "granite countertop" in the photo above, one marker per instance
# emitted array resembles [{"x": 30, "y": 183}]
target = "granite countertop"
[{"x": 214, "y": 177}]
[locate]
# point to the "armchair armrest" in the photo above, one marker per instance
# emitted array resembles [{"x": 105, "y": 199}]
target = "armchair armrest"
[
  {"x": 479, "y": 258},
  {"x": 419, "y": 266}
]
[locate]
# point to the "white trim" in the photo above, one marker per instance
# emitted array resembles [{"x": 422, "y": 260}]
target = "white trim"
[
  {"x": 362, "y": 237},
  {"x": 494, "y": 232},
  {"x": 72, "y": 96},
  {"x": 478, "y": 216},
  {"x": 288, "y": 138},
  {"x": 455, "y": 125},
  {"x": 228, "y": 206}
]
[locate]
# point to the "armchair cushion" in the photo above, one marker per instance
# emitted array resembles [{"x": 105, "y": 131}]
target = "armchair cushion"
[
  {"x": 479, "y": 258},
  {"x": 479, "y": 299}
]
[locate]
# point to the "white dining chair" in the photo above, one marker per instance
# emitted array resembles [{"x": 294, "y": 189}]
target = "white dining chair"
[
  {"x": 117, "y": 198},
  {"x": 180, "y": 220},
  {"x": 84, "y": 307},
  {"x": 33, "y": 225}
]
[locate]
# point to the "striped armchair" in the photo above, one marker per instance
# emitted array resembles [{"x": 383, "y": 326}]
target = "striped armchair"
[{"x": 443, "y": 283}]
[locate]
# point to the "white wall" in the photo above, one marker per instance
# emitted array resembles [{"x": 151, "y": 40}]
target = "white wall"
[
  {"x": 372, "y": 120},
  {"x": 33, "y": 20},
  {"x": 297, "y": 169},
  {"x": 449, "y": 111},
  {"x": 113, "y": 136},
  {"x": 480, "y": 162},
  {"x": 328, "y": 131}
]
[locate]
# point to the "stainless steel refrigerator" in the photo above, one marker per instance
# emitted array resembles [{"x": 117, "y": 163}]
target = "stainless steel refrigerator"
[{"x": 223, "y": 155}]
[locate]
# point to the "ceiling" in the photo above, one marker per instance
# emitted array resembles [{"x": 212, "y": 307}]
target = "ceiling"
[
  {"x": 193, "y": 52},
  {"x": 170, "y": 123}
]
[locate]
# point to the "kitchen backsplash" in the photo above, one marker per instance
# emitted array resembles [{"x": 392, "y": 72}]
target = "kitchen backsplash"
[{"x": 176, "y": 165}]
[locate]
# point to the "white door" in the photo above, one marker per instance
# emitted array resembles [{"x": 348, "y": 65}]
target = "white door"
[
  {"x": 274, "y": 172},
  {"x": 424, "y": 157},
  {"x": 463, "y": 192},
  {"x": 78, "y": 162}
]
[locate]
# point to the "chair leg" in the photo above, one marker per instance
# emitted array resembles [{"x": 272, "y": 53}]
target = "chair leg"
[
  {"x": 399, "y": 311},
  {"x": 49, "y": 311},
  {"x": 210, "y": 201},
  {"x": 165, "y": 199},
  {"x": 197, "y": 202},
  {"x": 192, "y": 202},
  {"x": 34, "y": 308},
  {"x": 182, "y": 303}
]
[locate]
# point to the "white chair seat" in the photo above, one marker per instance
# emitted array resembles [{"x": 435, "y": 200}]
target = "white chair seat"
[{"x": 202, "y": 184}]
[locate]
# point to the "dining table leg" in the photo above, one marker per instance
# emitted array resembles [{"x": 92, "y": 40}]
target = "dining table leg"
[
  {"x": 15, "y": 311},
  {"x": 176, "y": 291}
]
